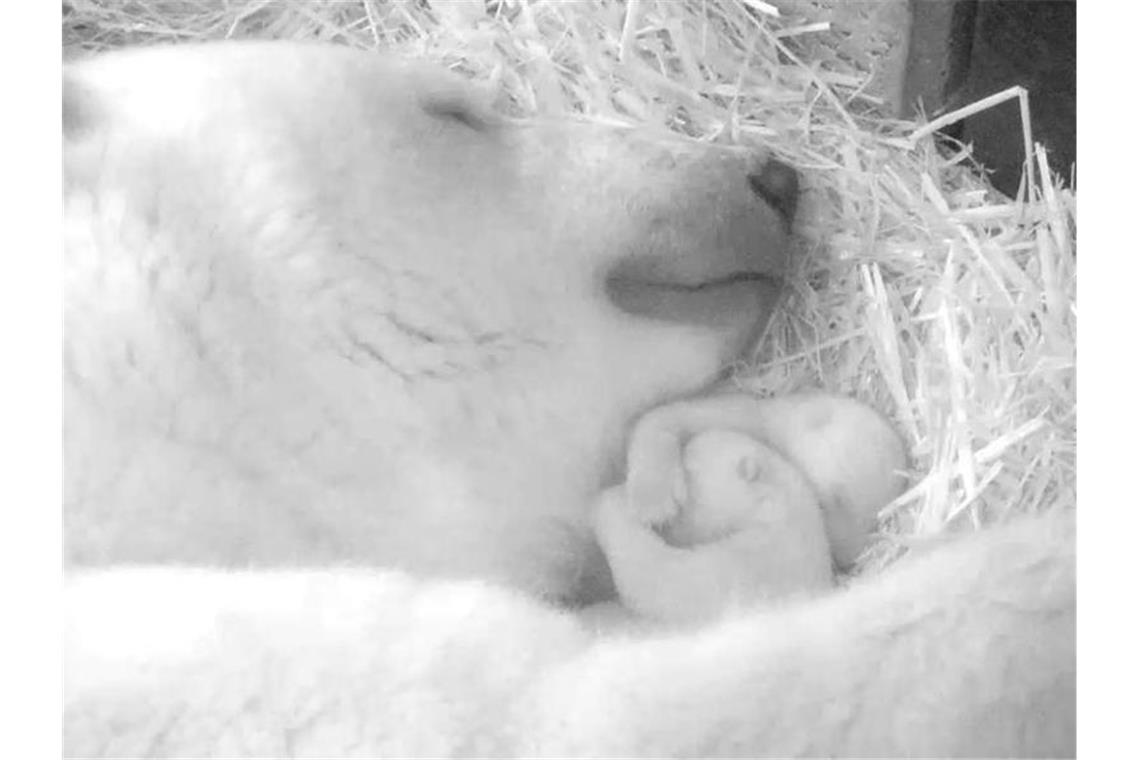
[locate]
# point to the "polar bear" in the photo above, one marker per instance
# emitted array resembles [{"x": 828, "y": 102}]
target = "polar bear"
[
  {"x": 748, "y": 530},
  {"x": 725, "y": 505},
  {"x": 323, "y": 306},
  {"x": 347, "y": 358}
]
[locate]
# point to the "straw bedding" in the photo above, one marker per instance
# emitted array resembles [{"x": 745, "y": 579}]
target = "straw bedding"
[{"x": 923, "y": 290}]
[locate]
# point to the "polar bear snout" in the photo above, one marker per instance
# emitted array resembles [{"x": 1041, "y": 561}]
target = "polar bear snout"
[{"x": 710, "y": 241}]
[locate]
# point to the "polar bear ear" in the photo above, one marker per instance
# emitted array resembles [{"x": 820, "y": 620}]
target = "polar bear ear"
[
  {"x": 86, "y": 120},
  {"x": 80, "y": 108}
]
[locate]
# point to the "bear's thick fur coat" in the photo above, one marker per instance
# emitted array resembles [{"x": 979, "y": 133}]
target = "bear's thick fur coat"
[{"x": 347, "y": 358}]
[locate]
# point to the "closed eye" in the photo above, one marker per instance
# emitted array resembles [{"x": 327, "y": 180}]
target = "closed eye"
[{"x": 457, "y": 111}]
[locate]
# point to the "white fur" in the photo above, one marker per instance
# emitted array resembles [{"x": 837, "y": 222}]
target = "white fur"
[
  {"x": 328, "y": 314},
  {"x": 852, "y": 457},
  {"x": 326, "y": 306},
  {"x": 735, "y": 522},
  {"x": 965, "y": 651},
  {"x": 747, "y": 530}
]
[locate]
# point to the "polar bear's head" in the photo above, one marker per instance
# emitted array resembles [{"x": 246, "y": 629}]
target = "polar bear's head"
[{"x": 322, "y": 305}]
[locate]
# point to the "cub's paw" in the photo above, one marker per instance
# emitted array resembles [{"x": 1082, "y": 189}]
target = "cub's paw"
[
  {"x": 656, "y": 491},
  {"x": 616, "y": 528},
  {"x": 610, "y": 513}
]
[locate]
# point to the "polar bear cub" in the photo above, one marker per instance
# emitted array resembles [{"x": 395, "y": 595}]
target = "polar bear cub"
[{"x": 735, "y": 520}]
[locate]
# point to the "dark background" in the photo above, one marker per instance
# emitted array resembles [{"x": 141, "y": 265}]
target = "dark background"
[{"x": 963, "y": 50}]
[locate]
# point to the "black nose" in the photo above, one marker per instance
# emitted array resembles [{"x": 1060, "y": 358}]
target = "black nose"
[{"x": 779, "y": 186}]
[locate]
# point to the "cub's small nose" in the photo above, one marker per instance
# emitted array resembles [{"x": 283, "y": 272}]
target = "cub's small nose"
[{"x": 779, "y": 186}]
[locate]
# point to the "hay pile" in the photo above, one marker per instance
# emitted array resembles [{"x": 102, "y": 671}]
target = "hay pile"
[{"x": 922, "y": 291}]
